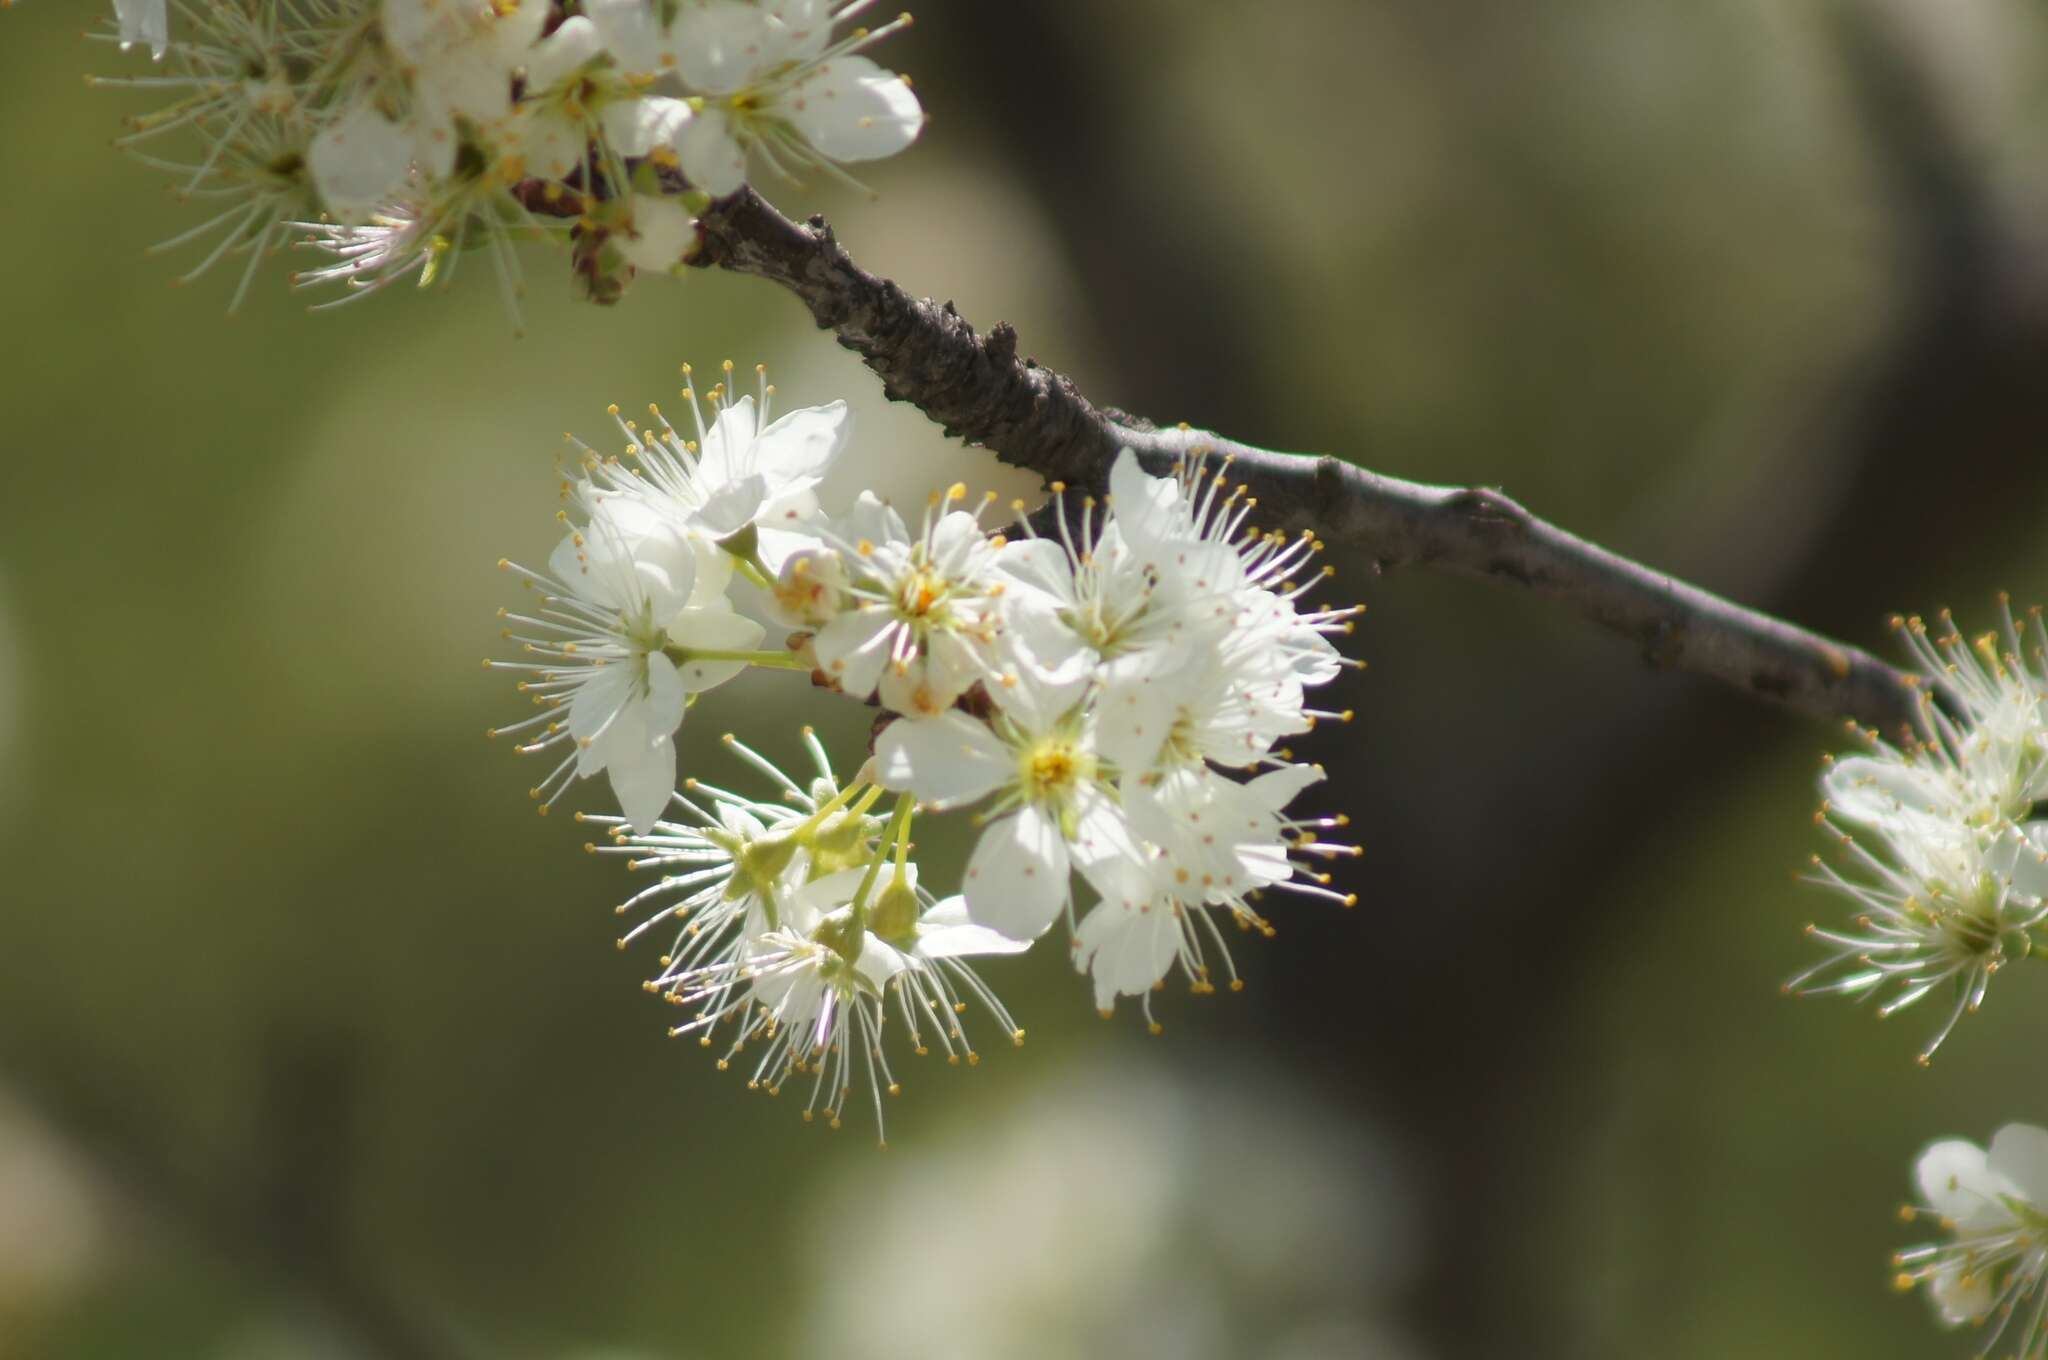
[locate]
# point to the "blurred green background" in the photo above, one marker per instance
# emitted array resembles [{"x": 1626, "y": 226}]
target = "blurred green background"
[{"x": 312, "y": 1038}]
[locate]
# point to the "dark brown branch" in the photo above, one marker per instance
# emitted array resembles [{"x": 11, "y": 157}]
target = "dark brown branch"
[{"x": 978, "y": 389}]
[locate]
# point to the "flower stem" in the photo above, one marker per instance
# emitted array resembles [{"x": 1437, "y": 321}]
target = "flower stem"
[
  {"x": 773, "y": 660},
  {"x": 899, "y": 823}
]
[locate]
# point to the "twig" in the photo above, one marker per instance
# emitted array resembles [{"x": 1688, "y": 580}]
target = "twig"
[{"x": 978, "y": 388}]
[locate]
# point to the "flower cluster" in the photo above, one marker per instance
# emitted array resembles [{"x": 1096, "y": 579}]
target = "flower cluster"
[
  {"x": 1110, "y": 697},
  {"x": 1993, "y": 1204},
  {"x": 404, "y": 134},
  {"x": 1947, "y": 858}
]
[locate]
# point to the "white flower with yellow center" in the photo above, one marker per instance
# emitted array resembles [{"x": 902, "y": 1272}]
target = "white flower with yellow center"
[
  {"x": 802, "y": 925},
  {"x": 1207, "y": 851},
  {"x": 766, "y": 78},
  {"x": 601, "y": 633},
  {"x": 623, "y": 641},
  {"x": 1938, "y": 914},
  {"x": 1994, "y": 1206},
  {"x": 1055, "y": 803},
  {"x": 747, "y": 472},
  {"x": 920, "y": 616}
]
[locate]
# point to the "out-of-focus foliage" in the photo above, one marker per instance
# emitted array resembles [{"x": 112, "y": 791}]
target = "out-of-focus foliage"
[{"x": 297, "y": 987}]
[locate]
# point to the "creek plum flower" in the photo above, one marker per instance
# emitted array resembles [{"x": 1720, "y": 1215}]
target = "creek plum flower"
[
  {"x": 920, "y": 616},
  {"x": 1208, "y": 848},
  {"x": 1186, "y": 619},
  {"x": 766, "y": 78},
  {"x": 602, "y": 631},
  {"x": 746, "y": 472},
  {"x": 1993, "y": 1204},
  {"x": 798, "y": 923},
  {"x": 1948, "y": 865},
  {"x": 1937, "y": 914},
  {"x": 1055, "y": 806}
]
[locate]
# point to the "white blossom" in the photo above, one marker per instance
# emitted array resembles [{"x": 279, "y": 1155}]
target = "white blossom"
[
  {"x": 1054, "y": 805},
  {"x": 602, "y": 631},
  {"x": 746, "y": 469},
  {"x": 1207, "y": 851},
  {"x": 1934, "y": 915},
  {"x": 766, "y": 78},
  {"x": 920, "y": 616},
  {"x": 1993, "y": 1204},
  {"x": 1947, "y": 867},
  {"x": 801, "y": 924}
]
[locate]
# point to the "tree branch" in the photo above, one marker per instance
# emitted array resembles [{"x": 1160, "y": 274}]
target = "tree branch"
[{"x": 977, "y": 388}]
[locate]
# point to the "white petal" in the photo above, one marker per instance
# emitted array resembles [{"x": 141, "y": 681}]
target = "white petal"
[
  {"x": 1277, "y": 788},
  {"x": 637, "y": 127},
  {"x": 562, "y": 52},
  {"x": 2030, "y": 863},
  {"x": 1040, "y": 563},
  {"x": 1017, "y": 876},
  {"x": 733, "y": 506},
  {"x": 664, "y": 700},
  {"x": 1874, "y": 792},
  {"x": 358, "y": 162},
  {"x": 727, "y": 451},
  {"x": 594, "y": 708},
  {"x": 1104, "y": 847},
  {"x": 2019, "y": 1153},
  {"x": 920, "y": 690},
  {"x": 1957, "y": 1182},
  {"x": 711, "y": 159},
  {"x": 872, "y": 520},
  {"x": 717, "y": 630},
  {"x": 1035, "y": 701},
  {"x": 644, "y": 783},
  {"x": 944, "y": 932},
  {"x": 662, "y": 231},
  {"x": 852, "y": 649},
  {"x": 144, "y": 21},
  {"x": 547, "y": 145},
  {"x": 803, "y": 443},
  {"x": 1133, "y": 719},
  {"x": 1961, "y": 1297},
  {"x": 850, "y": 109},
  {"x": 1126, "y": 949},
  {"x": 880, "y": 961},
  {"x": 823, "y": 895},
  {"x": 945, "y": 761},
  {"x": 1036, "y": 639},
  {"x": 721, "y": 46},
  {"x": 631, "y": 31}
]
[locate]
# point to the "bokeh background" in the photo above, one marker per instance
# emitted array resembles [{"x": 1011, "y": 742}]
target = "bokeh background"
[{"x": 312, "y": 1039}]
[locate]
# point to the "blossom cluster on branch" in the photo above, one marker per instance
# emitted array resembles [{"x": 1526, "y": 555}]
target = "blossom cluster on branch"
[
  {"x": 396, "y": 136},
  {"x": 1109, "y": 698}
]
